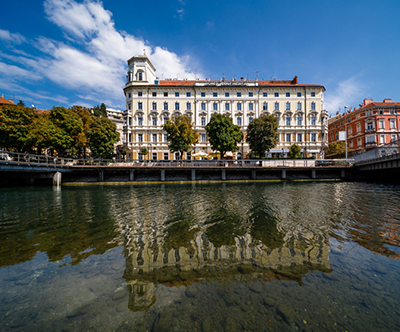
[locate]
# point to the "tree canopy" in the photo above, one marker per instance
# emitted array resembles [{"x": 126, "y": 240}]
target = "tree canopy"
[
  {"x": 294, "y": 152},
  {"x": 100, "y": 110},
  {"x": 223, "y": 134},
  {"x": 336, "y": 148},
  {"x": 21, "y": 103},
  {"x": 262, "y": 134},
  {"x": 181, "y": 134},
  {"x": 102, "y": 135},
  {"x": 15, "y": 123}
]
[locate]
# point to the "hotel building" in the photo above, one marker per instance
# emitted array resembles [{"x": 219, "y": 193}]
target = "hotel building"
[
  {"x": 151, "y": 101},
  {"x": 372, "y": 124}
]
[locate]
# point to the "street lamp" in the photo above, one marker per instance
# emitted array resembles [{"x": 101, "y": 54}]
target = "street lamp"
[{"x": 345, "y": 129}]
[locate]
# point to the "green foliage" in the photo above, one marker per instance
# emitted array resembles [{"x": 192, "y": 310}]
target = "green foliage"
[
  {"x": 338, "y": 148},
  {"x": 223, "y": 134},
  {"x": 15, "y": 123},
  {"x": 294, "y": 152},
  {"x": 181, "y": 134},
  {"x": 262, "y": 134},
  {"x": 144, "y": 151},
  {"x": 21, "y": 103},
  {"x": 100, "y": 110},
  {"x": 102, "y": 135}
]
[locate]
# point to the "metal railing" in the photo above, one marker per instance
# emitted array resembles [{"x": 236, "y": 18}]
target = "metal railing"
[{"x": 43, "y": 160}]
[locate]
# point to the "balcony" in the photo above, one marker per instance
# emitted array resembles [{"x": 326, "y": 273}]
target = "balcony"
[
  {"x": 371, "y": 144},
  {"x": 369, "y": 130}
]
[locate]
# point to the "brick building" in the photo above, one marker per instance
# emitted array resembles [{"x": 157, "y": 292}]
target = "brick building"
[{"x": 372, "y": 124}]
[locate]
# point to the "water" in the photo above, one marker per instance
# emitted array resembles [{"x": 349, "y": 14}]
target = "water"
[{"x": 223, "y": 257}]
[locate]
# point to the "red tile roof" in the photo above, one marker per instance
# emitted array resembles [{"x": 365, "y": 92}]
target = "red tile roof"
[{"x": 4, "y": 101}]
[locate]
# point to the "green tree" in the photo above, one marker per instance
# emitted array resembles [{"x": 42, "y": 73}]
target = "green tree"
[
  {"x": 21, "y": 103},
  {"x": 44, "y": 134},
  {"x": 181, "y": 134},
  {"x": 86, "y": 118},
  {"x": 336, "y": 148},
  {"x": 223, "y": 134},
  {"x": 71, "y": 126},
  {"x": 262, "y": 134},
  {"x": 100, "y": 110},
  {"x": 294, "y": 152},
  {"x": 102, "y": 135},
  {"x": 15, "y": 124},
  {"x": 144, "y": 151}
]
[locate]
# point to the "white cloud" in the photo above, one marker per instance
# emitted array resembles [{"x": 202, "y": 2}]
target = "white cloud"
[
  {"x": 93, "y": 59},
  {"x": 15, "y": 38},
  {"x": 347, "y": 93},
  {"x": 181, "y": 13}
]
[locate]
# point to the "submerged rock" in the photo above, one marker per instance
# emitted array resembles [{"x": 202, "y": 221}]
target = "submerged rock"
[{"x": 286, "y": 313}]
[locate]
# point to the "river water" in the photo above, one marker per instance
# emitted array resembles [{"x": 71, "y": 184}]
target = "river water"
[{"x": 320, "y": 256}]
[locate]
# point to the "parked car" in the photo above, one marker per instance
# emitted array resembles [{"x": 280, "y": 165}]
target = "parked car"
[
  {"x": 323, "y": 163},
  {"x": 5, "y": 156}
]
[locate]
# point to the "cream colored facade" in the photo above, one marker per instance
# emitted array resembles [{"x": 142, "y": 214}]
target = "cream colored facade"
[{"x": 150, "y": 102}]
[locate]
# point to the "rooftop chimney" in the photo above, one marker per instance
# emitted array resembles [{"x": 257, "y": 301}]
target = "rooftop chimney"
[{"x": 387, "y": 100}]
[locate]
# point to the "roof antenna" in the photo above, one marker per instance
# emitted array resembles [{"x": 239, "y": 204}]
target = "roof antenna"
[
  {"x": 258, "y": 71},
  {"x": 223, "y": 76}
]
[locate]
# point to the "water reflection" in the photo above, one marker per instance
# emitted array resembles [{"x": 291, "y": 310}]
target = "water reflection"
[{"x": 226, "y": 235}]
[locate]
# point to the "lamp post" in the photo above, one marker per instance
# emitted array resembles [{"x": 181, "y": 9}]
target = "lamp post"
[{"x": 345, "y": 129}]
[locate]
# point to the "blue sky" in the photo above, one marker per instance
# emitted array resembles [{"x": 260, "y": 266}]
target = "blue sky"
[{"x": 66, "y": 52}]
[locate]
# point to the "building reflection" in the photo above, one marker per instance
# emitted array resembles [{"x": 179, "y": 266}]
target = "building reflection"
[{"x": 229, "y": 247}]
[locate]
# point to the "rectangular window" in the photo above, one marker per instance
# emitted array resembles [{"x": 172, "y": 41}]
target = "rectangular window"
[
  {"x": 203, "y": 106},
  {"x": 393, "y": 138},
  {"x": 251, "y": 106},
  {"x": 215, "y": 94},
  {"x": 287, "y": 106},
  {"x": 312, "y": 106},
  {"x": 265, "y": 94},
  {"x": 288, "y": 121},
  {"x": 299, "y": 106},
  {"x": 226, "y": 106},
  {"x": 251, "y": 119},
  {"x": 203, "y": 138},
  {"x": 276, "y": 107},
  {"x": 238, "y": 106},
  {"x": 287, "y": 94},
  {"x": 203, "y": 121},
  {"x": 299, "y": 121},
  {"x": 130, "y": 138},
  {"x": 287, "y": 137},
  {"x": 165, "y": 136},
  {"x": 188, "y": 156},
  {"x": 140, "y": 157},
  {"x": 176, "y": 155},
  {"x": 129, "y": 95},
  {"x": 140, "y": 121},
  {"x": 312, "y": 94},
  {"x": 298, "y": 94},
  {"x": 165, "y": 106},
  {"x": 382, "y": 139},
  {"x": 313, "y": 120},
  {"x": 239, "y": 121},
  {"x": 299, "y": 137},
  {"x": 154, "y": 155},
  {"x": 154, "y": 106},
  {"x": 251, "y": 94},
  {"x": 154, "y": 94},
  {"x": 129, "y": 106},
  {"x": 265, "y": 107},
  {"x": 140, "y": 93},
  {"x": 188, "y": 94},
  {"x": 313, "y": 137},
  {"x": 370, "y": 126},
  {"x": 391, "y": 112},
  {"x": 276, "y": 94},
  {"x": 154, "y": 138},
  {"x": 140, "y": 106},
  {"x": 203, "y": 94},
  {"x": 370, "y": 139},
  {"x": 165, "y": 119},
  {"x": 215, "y": 106},
  {"x": 176, "y": 94},
  {"x": 226, "y": 94},
  {"x": 154, "y": 121},
  {"x": 165, "y": 94},
  {"x": 176, "y": 106},
  {"x": 392, "y": 124},
  {"x": 359, "y": 142},
  {"x": 188, "y": 106},
  {"x": 381, "y": 124},
  {"x": 166, "y": 156},
  {"x": 239, "y": 94},
  {"x": 140, "y": 138}
]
